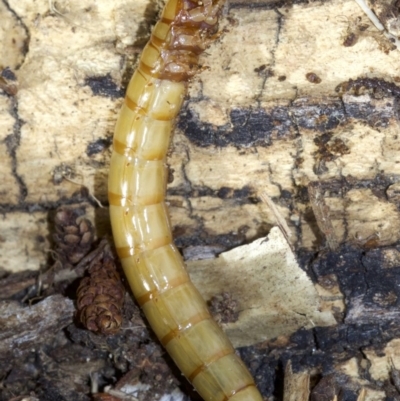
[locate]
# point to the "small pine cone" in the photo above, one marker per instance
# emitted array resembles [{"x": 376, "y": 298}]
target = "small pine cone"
[
  {"x": 74, "y": 234},
  {"x": 101, "y": 296}
]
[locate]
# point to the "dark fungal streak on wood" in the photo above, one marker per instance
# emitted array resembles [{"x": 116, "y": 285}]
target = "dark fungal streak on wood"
[
  {"x": 8, "y": 74},
  {"x": 338, "y": 188},
  {"x": 196, "y": 237},
  {"x": 366, "y": 279},
  {"x": 318, "y": 114},
  {"x": 261, "y": 126},
  {"x": 267, "y": 4},
  {"x": 8, "y": 82},
  {"x": 98, "y": 146},
  {"x": 104, "y": 86},
  {"x": 373, "y": 85},
  {"x": 240, "y": 196},
  {"x": 248, "y": 127}
]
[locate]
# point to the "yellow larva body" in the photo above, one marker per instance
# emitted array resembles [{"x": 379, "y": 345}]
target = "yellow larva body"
[{"x": 142, "y": 234}]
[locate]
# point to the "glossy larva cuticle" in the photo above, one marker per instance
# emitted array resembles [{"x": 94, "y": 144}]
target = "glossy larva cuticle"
[{"x": 142, "y": 232}]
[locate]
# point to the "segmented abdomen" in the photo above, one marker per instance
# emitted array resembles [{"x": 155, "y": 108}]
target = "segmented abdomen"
[{"x": 141, "y": 228}]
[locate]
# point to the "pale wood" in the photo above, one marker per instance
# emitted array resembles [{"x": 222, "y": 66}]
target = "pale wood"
[
  {"x": 296, "y": 385},
  {"x": 62, "y": 116}
]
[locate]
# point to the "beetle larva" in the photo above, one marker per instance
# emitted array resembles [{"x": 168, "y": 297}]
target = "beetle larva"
[{"x": 137, "y": 184}]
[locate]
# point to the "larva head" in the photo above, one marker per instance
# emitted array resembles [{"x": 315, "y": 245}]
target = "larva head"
[{"x": 190, "y": 31}]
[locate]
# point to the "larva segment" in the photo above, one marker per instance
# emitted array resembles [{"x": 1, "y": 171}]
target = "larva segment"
[{"x": 142, "y": 234}]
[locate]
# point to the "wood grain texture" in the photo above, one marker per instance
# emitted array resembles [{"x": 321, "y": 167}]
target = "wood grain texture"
[{"x": 253, "y": 118}]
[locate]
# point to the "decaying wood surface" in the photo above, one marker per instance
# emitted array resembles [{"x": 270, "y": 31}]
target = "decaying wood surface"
[
  {"x": 298, "y": 100},
  {"x": 256, "y": 120}
]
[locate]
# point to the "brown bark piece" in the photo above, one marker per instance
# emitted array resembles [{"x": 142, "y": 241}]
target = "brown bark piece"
[{"x": 24, "y": 327}]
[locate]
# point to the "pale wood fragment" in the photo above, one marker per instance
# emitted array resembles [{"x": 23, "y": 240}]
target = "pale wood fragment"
[
  {"x": 296, "y": 385},
  {"x": 275, "y": 297}
]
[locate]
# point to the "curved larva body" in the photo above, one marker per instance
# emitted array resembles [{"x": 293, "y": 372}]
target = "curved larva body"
[{"x": 139, "y": 217}]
